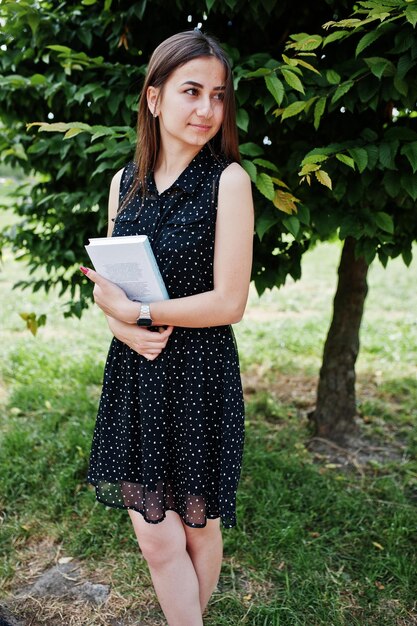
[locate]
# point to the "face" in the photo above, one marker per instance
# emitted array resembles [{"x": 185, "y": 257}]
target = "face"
[{"x": 190, "y": 105}]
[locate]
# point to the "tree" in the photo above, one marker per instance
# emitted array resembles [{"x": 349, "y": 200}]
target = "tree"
[
  {"x": 322, "y": 122},
  {"x": 363, "y": 105}
]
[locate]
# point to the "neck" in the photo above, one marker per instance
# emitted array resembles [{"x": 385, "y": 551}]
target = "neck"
[{"x": 174, "y": 159}]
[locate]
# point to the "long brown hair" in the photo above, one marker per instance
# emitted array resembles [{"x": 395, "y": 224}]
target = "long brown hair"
[{"x": 167, "y": 57}]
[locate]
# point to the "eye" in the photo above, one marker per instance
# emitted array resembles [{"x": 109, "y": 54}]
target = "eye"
[
  {"x": 192, "y": 91},
  {"x": 219, "y": 96}
]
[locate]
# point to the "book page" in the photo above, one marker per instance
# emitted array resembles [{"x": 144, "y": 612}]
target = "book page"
[{"x": 130, "y": 277}]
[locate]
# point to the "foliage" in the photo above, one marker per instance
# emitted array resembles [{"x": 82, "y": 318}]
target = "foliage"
[
  {"x": 327, "y": 127},
  {"x": 81, "y": 64},
  {"x": 363, "y": 105}
]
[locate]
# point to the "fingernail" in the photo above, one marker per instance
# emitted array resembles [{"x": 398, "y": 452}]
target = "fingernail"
[{"x": 84, "y": 269}]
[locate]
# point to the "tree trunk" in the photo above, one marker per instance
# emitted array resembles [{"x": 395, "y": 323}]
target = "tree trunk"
[{"x": 334, "y": 415}]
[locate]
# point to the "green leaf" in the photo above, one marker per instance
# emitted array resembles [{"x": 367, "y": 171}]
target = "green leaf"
[
  {"x": 263, "y": 223},
  {"x": 407, "y": 256},
  {"x": 324, "y": 178},
  {"x": 409, "y": 150},
  {"x": 360, "y": 156},
  {"x": 403, "y": 133},
  {"x": 369, "y": 135},
  {"x": 409, "y": 183},
  {"x": 341, "y": 90},
  {"x": 58, "y": 48},
  {"x": 33, "y": 21},
  {"x": 333, "y": 77},
  {"x": 38, "y": 79},
  {"x": 401, "y": 85},
  {"x": 242, "y": 119},
  {"x": 303, "y": 214},
  {"x": 314, "y": 158},
  {"x": 318, "y": 111},
  {"x": 100, "y": 131},
  {"x": 346, "y": 160},
  {"x": 308, "y": 66},
  {"x": 72, "y": 132},
  {"x": 411, "y": 14},
  {"x": 338, "y": 34},
  {"x": 380, "y": 66},
  {"x": 367, "y": 39},
  {"x": 266, "y": 164},
  {"x": 261, "y": 71},
  {"x": 367, "y": 250},
  {"x": 387, "y": 152},
  {"x": 250, "y": 169},
  {"x": 46, "y": 127},
  {"x": 293, "y": 109},
  {"x": 392, "y": 183},
  {"x": 106, "y": 165},
  {"x": 265, "y": 185},
  {"x": 88, "y": 2},
  {"x": 32, "y": 322},
  {"x": 384, "y": 221},
  {"x": 292, "y": 224},
  {"x": 279, "y": 182},
  {"x": 308, "y": 168},
  {"x": 275, "y": 87},
  {"x": 305, "y": 42},
  {"x": 405, "y": 63},
  {"x": 292, "y": 80},
  {"x": 250, "y": 149}
]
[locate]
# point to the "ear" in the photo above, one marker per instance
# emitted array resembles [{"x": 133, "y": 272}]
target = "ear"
[{"x": 152, "y": 96}]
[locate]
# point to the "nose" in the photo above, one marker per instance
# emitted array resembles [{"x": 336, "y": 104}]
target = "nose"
[{"x": 205, "y": 108}]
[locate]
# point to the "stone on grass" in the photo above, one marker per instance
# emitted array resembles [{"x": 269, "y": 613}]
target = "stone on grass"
[{"x": 64, "y": 580}]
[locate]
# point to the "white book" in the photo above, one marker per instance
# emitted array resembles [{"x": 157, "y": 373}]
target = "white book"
[{"x": 130, "y": 263}]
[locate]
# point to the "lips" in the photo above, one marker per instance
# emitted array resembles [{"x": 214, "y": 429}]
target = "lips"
[{"x": 202, "y": 127}]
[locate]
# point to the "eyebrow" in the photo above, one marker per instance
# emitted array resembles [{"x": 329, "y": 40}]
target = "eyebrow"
[{"x": 194, "y": 84}]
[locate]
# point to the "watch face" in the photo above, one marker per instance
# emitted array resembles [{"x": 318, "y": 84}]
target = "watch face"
[{"x": 144, "y": 321}]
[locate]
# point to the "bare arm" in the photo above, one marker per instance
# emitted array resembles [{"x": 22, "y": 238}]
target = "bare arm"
[{"x": 226, "y": 302}]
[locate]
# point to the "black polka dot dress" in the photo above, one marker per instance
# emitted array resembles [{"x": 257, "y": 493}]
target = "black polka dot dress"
[{"x": 169, "y": 432}]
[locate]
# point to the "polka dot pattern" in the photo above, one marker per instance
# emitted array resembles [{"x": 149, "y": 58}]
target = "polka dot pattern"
[{"x": 170, "y": 432}]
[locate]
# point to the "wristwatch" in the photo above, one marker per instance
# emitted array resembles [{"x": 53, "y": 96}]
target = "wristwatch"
[{"x": 144, "y": 318}]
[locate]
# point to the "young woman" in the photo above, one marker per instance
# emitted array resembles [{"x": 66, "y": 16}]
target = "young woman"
[{"x": 169, "y": 435}]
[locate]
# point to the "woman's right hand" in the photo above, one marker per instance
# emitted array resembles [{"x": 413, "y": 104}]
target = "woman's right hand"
[{"x": 143, "y": 341}]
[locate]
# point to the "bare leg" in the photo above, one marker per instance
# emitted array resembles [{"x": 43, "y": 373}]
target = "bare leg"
[
  {"x": 173, "y": 575},
  {"x": 205, "y": 547}
]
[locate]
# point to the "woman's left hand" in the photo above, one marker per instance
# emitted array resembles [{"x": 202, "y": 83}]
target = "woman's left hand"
[{"x": 111, "y": 299}]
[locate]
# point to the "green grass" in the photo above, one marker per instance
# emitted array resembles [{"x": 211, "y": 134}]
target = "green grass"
[{"x": 316, "y": 544}]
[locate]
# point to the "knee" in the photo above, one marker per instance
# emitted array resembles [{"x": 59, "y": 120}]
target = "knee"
[
  {"x": 158, "y": 551},
  {"x": 209, "y": 537}
]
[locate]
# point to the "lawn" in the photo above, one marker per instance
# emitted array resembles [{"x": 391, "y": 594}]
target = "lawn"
[{"x": 318, "y": 541}]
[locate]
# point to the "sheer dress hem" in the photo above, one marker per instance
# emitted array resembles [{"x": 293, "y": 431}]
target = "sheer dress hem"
[{"x": 227, "y": 520}]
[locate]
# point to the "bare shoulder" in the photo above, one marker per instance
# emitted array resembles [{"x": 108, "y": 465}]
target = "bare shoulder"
[
  {"x": 115, "y": 181},
  {"x": 234, "y": 178},
  {"x": 235, "y": 191},
  {"x": 114, "y": 189},
  {"x": 113, "y": 203}
]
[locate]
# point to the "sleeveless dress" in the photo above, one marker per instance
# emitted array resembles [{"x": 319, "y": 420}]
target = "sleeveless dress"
[{"x": 169, "y": 433}]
